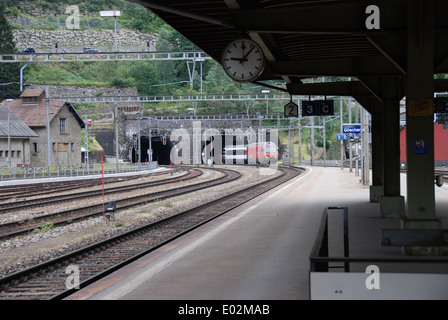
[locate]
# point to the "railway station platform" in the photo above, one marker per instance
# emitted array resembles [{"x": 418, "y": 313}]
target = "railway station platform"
[{"x": 260, "y": 251}]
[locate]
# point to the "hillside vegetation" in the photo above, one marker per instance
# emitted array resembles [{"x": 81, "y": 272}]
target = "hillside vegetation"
[{"x": 148, "y": 77}]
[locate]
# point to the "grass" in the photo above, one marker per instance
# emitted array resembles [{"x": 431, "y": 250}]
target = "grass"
[{"x": 45, "y": 227}]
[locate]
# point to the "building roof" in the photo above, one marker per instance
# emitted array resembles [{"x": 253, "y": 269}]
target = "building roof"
[
  {"x": 35, "y": 115},
  {"x": 18, "y": 128},
  {"x": 32, "y": 93}
]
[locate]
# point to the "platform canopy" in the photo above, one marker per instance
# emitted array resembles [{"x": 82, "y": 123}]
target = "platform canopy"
[
  {"x": 312, "y": 38},
  {"x": 391, "y": 49}
]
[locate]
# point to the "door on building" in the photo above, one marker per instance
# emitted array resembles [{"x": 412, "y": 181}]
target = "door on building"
[{"x": 63, "y": 154}]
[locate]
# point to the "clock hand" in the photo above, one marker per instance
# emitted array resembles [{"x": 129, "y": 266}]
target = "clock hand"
[{"x": 245, "y": 56}]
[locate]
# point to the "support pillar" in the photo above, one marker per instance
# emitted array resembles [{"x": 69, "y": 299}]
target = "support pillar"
[
  {"x": 376, "y": 189},
  {"x": 419, "y": 121},
  {"x": 391, "y": 203}
]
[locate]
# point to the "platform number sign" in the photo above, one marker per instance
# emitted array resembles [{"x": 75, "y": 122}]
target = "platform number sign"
[
  {"x": 325, "y": 108},
  {"x": 291, "y": 110},
  {"x": 317, "y": 108},
  {"x": 309, "y": 108}
]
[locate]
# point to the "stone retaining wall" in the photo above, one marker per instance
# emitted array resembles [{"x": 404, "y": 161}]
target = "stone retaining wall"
[{"x": 80, "y": 38}]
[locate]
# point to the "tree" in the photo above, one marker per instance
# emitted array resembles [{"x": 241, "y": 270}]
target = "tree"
[
  {"x": 9, "y": 72},
  {"x": 145, "y": 75}
]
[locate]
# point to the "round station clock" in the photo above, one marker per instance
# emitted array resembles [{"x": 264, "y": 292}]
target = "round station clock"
[{"x": 243, "y": 60}]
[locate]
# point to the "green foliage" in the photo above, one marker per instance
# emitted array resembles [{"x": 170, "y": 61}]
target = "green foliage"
[
  {"x": 134, "y": 16},
  {"x": 9, "y": 72}
]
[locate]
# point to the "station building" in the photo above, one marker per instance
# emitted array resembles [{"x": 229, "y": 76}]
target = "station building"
[
  {"x": 65, "y": 128},
  {"x": 15, "y": 137}
]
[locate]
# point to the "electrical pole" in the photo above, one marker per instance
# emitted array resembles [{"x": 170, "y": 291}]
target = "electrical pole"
[
  {"x": 86, "y": 144},
  {"x": 365, "y": 141},
  {"x": 325, "y": 142},
  {"x": 48, "y": 131},
  {"x": 342, "y": 141},
  {"x": 350, "y": 134},
  {"x": 138, "y": 142},
  {"x": 149, "y": 142},
  {"x": 116, "y": 136},
  {"x": 9, "y": 137}
]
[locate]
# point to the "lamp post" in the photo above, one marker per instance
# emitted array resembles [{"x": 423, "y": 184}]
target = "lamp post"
[
  {"x": 115, "y": 14},
  {"x": 266, "y": 92}
]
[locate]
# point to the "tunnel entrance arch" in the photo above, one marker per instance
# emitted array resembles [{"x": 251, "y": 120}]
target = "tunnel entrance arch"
[{"x": 160, "y": 151}]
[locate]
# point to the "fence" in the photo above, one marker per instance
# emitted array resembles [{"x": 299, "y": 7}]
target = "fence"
[
  {"x": 326, "y": 163},
  {"x": 325, "y": 284},
  {"x": 71, "y": 171}
]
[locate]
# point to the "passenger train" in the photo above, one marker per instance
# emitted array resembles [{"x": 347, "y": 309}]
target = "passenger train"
[{"x": 254, "y": 153}]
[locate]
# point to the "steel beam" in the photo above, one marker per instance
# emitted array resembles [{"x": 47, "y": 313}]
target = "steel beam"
[{"x": 342, "y": 88}]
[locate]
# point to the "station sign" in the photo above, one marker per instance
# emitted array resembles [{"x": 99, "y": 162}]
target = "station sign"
[
  {"x": 420, "y": 147},
  {"x": 342, "y": 136},
  {"x": 351, "y": 128},
  {"x": 317, "y": 108}
]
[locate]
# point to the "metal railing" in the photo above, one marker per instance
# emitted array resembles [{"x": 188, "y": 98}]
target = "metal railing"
[
  {"x": 325, "y": 163},
  {"x": 174, "y": 98},
  {"x": 102, "y": 56},
  {"x": 321, "y": 248},
  {"x": 20, "y": 173},
  {"x": 320, "y": 258}
]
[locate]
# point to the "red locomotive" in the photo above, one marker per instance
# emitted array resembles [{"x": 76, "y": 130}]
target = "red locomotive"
[{"x": 262, "y": 152}]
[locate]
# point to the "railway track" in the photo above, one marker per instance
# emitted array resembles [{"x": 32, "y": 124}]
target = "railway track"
[
  {"x": 48, "y": 280},
  {"x": 60, "y": 198},
  {"x": 42, "y": 188},
  {"x": 13, "y": 229}
]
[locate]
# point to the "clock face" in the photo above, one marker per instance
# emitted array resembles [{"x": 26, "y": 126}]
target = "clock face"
[{"x": 243, "y": 60}]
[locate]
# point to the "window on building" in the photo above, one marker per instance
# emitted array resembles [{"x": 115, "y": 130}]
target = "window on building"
[
  {"x": 1, "y": 153},
  {"x": 30, "y": 100},
  {"x": 63, "y": 125},
  {"x": 13, "y": 153},
  {"x": 19, "y": 153},
  {"x": 35, "y": 147}
]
